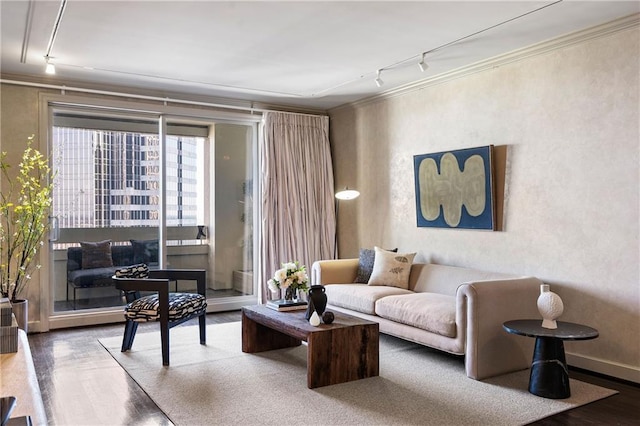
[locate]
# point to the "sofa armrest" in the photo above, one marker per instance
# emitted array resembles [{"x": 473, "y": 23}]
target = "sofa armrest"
[
  {"x": 334, "y": 271},
  {"x": 483, "y": 306}
]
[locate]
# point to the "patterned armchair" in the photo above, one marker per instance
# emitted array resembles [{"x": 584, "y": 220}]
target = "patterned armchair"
[{"x": 170, "y": 309}]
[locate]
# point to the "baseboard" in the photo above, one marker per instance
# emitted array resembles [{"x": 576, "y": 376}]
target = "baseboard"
[
  {"x": 34, "y": 327},
  {"x": 83, "y": 318},
  {"x": 222, "y": 304},
  {"x": 621, "y": 371}
]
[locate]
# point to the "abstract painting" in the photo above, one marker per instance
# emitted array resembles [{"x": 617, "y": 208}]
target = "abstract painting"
[{"x": 454, "y": 189}]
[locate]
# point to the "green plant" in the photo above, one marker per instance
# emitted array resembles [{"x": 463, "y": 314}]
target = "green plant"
[{"x": 24, "y": 209}]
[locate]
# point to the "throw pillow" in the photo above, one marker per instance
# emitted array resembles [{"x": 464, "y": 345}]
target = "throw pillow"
[
  {"x": 145, "y": 251},
  {"x": 365, "y": 265},
  {"x": 391, "y": 269},
  {"x": 134, "y": 271},
  {"x": 96, "y": 254}
]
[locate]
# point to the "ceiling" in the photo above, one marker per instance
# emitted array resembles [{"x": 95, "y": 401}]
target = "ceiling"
[{"x": 305, "y": 54}]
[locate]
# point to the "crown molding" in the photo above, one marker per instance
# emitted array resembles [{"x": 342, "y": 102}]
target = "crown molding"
[
  {"x": 149, "y": 95},
  {"x": 622, "y": 24}
]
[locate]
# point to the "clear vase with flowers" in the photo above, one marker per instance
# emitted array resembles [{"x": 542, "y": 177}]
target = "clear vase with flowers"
[{"x": 291, "y": 278}]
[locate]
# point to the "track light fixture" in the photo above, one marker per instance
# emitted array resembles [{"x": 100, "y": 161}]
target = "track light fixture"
[
  {"x": 379, "y": 81},
  {"x": 49, "y": 68},
  {"x": 423, "y": 65}
]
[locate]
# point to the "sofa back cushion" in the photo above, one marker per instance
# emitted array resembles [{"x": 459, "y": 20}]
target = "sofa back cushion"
[
  {"x": 359, "y": 297},
  {"x": 145, "y": 251},
  {"x": 120, "y": 256},
  {"x": 444, "y": 279},
  {"x": 96, "y": 254}
]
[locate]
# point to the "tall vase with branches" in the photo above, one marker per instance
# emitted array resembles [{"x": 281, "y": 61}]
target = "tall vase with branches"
[{"x": 24, "y": 209}]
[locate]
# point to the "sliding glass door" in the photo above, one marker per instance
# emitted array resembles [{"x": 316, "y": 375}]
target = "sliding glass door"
[
  {"x": 126, "y": 194},
  {"x": 106, "y": 184}
]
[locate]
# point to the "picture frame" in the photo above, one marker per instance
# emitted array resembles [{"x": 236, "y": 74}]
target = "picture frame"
[{"x": 455, "y": 189}]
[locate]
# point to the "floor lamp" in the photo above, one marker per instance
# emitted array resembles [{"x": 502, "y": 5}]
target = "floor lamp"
[{"x": 345, "y": 194}]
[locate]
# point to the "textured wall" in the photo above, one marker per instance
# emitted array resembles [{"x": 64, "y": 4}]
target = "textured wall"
[
  {"x": 18, "y": 121},
  {"x": 569, "y": 120}
]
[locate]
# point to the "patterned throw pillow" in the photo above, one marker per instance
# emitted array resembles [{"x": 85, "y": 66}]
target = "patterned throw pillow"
[
  {"x": 134, "y": 271},
  {"x": 391, "y": 269},
  {"x": 365, "y": 265},
  {"x": 96, "y": 254}
]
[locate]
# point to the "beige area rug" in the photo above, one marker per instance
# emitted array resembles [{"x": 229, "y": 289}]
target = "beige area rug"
[{"x": 217, "y": 384}]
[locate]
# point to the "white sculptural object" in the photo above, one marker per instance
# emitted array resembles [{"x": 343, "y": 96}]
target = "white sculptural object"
[
  {"x": 550, "y": 306},
  {"x": 315, "y": 319}
]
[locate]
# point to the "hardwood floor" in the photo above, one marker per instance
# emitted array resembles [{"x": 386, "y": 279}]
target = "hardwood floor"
[
  {"x": 620, "y": 409},
  {"x": 82, "y": 384}
]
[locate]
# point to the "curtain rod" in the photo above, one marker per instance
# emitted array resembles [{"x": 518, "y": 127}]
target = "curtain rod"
[{"x": 64, "y": 88}]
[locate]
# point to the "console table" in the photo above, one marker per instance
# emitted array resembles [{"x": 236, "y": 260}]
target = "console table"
[{"x": 549, "y": 375}]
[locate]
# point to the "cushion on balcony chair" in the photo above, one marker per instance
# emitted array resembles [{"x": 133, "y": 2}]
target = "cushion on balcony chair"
[{"x": 180, "y": 305}]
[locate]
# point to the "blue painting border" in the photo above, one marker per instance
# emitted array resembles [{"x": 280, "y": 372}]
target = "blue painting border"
[{"x": 486, "y": 220}]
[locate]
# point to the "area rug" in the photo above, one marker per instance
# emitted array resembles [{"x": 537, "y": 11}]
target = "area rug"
[{"x": 218, "y": 384}]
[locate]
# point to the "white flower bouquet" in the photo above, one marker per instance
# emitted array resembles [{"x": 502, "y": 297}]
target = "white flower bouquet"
[{"x": 291, "y": 277}]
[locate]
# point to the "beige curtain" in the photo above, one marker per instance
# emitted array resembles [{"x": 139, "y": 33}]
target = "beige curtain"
[{"x": 298, "y": 216}]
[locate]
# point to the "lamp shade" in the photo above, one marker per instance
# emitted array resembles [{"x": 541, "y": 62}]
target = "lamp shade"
[{"x": 347, "y": 194}]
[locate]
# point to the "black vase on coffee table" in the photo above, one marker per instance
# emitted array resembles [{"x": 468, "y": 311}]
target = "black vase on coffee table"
[{"x": 317, "y": 301}]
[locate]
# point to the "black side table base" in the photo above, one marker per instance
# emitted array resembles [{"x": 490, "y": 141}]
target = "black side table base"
[{"x": 549, "y": 376}]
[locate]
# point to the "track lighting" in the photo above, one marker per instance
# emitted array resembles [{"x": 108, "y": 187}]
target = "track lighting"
[
  {"x": 50, "y": 68},
  {"x": 379, "y": 81},
  {"x": 423, "y": 65}
]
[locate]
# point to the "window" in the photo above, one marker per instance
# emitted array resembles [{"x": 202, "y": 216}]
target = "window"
[
  {"x": 108, "y": 187},
  {"x": 110, "y": 178}
]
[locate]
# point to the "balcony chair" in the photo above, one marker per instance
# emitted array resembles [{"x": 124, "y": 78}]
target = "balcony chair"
[{"x": 170, "y": 309}]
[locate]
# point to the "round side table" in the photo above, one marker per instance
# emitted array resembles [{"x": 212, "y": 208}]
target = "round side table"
[{"x": 549, "y": 375}]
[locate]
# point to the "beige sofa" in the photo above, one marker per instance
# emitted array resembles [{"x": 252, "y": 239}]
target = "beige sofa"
[{"x": 457, "y": 310}]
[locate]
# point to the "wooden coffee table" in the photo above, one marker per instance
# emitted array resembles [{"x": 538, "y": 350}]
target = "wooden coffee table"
[{"x": 342, "y": 351}]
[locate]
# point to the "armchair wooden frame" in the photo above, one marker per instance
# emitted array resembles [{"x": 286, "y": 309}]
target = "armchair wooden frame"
[{"x": 158, "y": 281}]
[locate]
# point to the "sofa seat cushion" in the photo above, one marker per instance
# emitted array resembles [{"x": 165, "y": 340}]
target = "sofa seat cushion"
[
  {"x": 96, "y": 277},
  {"x": 432, "y": 312},
  {"x": 359, "y": 297}
]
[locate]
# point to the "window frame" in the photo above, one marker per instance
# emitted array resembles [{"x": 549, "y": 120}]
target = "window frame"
[{"x": 175, "y": 113}]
